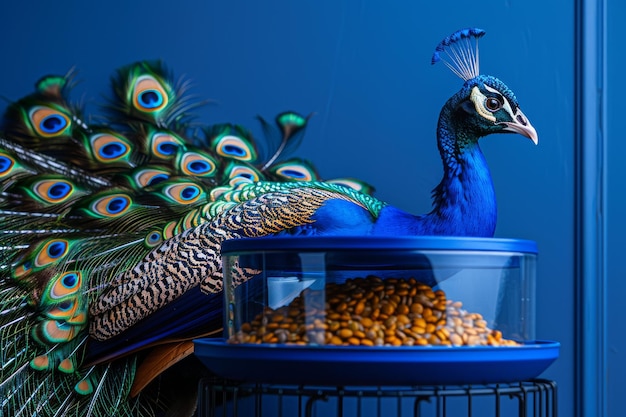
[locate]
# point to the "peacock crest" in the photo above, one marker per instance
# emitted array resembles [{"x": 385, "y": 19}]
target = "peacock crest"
[{"x": 459, "y": 52}]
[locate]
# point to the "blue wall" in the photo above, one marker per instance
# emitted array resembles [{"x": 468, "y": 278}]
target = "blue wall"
[
  {"x": 364, "y": 68},
  {"x": 615, "y": 349}
]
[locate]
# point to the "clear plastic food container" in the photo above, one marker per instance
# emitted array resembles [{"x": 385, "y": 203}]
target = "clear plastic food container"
[
  {"x": 378, "y": 310},
  {"x": 416, "y": 291}
]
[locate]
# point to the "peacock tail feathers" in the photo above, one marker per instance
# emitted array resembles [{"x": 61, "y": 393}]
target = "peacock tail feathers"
[
  {"x": 45, "y": 119},
  {"x": 90, "y": 213},
  {"x": 146, "y": 92},
  {"x": 290, "y": 128}
]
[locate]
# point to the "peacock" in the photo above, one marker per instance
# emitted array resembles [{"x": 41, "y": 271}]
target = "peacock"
[{"x": 111, "y": 230}]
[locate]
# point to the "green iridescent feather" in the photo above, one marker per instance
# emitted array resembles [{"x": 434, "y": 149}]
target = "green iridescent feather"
[{"x": 82, "y": 206}]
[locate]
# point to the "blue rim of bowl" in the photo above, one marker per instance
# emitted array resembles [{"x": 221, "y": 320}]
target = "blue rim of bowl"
[{"x": 330, "y": 243}]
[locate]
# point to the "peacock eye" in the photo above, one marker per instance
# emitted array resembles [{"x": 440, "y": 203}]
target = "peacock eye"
[{"x": 493, "y": 104}]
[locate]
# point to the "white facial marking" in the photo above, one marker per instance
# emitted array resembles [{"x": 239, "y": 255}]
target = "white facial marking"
[{"x": 479, "y": 103}]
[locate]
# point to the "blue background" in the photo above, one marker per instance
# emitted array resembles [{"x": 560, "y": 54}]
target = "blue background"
[
  {"x": 616, "y": 207},
  {"x": 363, "y": 67}
]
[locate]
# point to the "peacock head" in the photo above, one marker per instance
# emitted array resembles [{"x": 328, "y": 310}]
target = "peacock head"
[{"x": 484, "y": 105}]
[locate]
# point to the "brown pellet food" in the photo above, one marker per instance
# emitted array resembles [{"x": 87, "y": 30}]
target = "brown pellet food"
[{"x": 371, "y": 312}]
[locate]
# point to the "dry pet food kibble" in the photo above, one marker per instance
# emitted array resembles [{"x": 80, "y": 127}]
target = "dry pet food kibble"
[{"x": 371, "y": 312}]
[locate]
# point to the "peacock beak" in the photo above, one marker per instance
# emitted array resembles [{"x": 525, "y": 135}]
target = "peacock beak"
[{"x": 522, "y": 126}]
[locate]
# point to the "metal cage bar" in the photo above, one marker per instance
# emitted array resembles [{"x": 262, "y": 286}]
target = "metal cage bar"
[{"x": 536, "y": 398}]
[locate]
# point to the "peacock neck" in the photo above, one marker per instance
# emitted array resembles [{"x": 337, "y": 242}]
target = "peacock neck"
[{"x": 464, "y": 202}]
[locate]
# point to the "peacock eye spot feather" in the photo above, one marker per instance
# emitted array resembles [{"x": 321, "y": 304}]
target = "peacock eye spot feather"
[
  {"x": 150, "y": 99},
  {"x": 116, "y": 205},
  {"x": 112, "y": 150},
  {"x": 150, "y": 177},
  {"x": 157, "y": 179},
  {"x": 189, "y": 193},
  {"x": 165, "y": 145},
  {"x": 196, "y": 164},
  {"x": 66, "y": 285},
  {"x": 154, "y": 238},
  {"x": 184, "y": 193},
  {"x": 234, "y": 150},
  {"x": 70, "y": 280},
  {"x": 297, "y": 170},
  {"x": 56, "y": 249},
  {"x": 149, "y": 95},
  {"x": 242, "y": 172},
  {"x": 53, "y": 124},
  {"x": 59, "y": 190},
  {"x": 111, "y": 205},
  {"x": 6, "y": 164},
  {"x": 167, "y": 148},
  {"x": 292, "y": 173},
  {"x": 66, "y": 305},
  {"x": 199, "y": 166},
  {"x": 51, "y": 251},
  {"x": 108, "y": 147},
  {"x": 53, "y": 191},
  {"x": 232, "y": 146},
  {"x": 48, "y": 122}
]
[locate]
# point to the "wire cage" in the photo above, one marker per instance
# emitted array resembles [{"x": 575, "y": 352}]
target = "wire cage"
[{"x": 220, "y": 398}]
